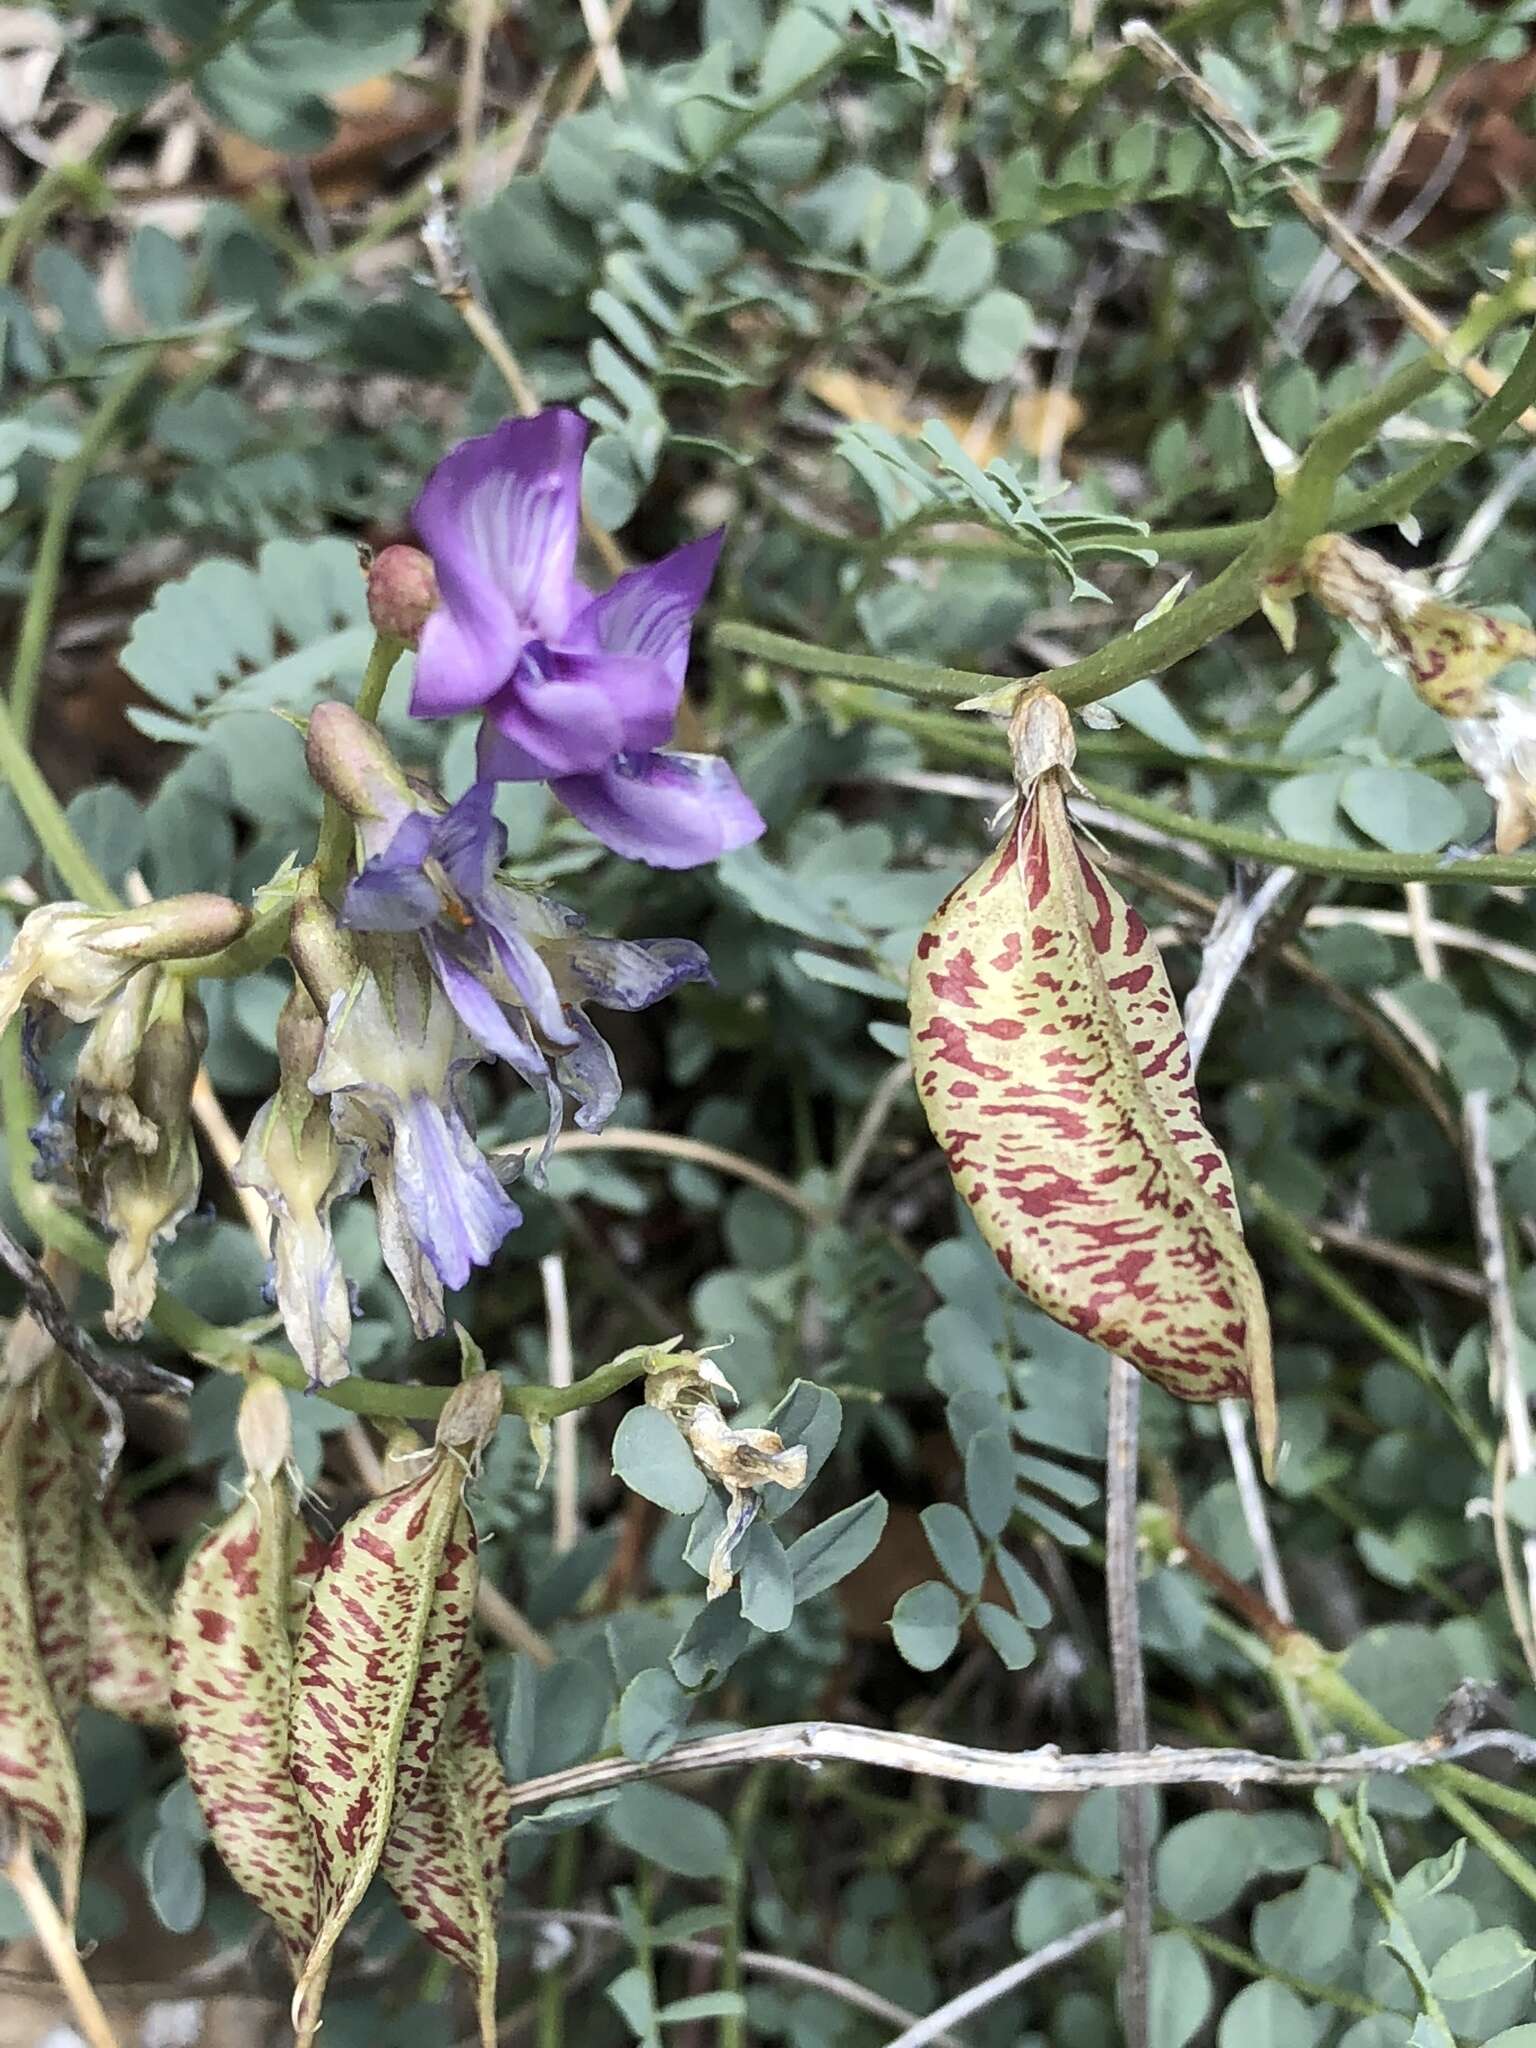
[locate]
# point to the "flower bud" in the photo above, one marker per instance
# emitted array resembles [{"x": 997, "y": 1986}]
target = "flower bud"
[
  {"x": 402, "y": 592},
  {"x": 324, "y": 958},
  {"x": 349, "y": 758},
  {"x": 75, "y": 960}
]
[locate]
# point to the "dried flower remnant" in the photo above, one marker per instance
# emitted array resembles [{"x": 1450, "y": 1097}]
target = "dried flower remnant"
[
  {"x": 688, "y": 1388},
  {"x": 136, "y": 1150},
  {"x": 578, "y": 691},
  {"x": 1450, "y": 654},
  {"x": 293, "y": 1158},
  {"x": 375, "y": 1667},
  {"x": 1052, "y": 1066},
  {"x": 73, "y": 960}
]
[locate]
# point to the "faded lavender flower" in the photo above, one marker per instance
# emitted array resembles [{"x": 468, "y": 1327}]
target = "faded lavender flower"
[
  {"x": 74, "y": 960},
  {"x": 517, "y": 968},
  {"x": 391, "y": 1064},
  {"x": 136, "y": 1153},
  {"x": 579, "y": 691},
  {"x": 294, "y": 1159}
]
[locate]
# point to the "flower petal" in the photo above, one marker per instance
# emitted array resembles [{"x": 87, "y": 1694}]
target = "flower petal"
[
  {"x": 668, "y": 810},
  {"x": 500, "y": 516},
  {"x": 573, "y": 709},
  {"x": 457, "y": 1210},
  {"x": 631, "y": 974},
  {"x": 498, "y": 759},
  {"x": 650, "y": 611},
  {"x": 589, "y": 1074},
  {"x": 392, "y": 894},
  {"x": 470, "y": 841}
]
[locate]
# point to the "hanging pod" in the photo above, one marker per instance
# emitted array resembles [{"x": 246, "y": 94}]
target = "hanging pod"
[
  {"x": 128, "y": 1651},
  {"x": 375, "y": 1670},
  {"x": 232, "y": 1658},
  {"x": 42, "y": 1620},
  {"x": 444, "y": 1856},
  {"x": 1051, "y": 1061}
]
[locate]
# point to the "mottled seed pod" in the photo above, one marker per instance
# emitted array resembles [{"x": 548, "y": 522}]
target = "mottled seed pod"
[
  {"x": 1051, "y": 1062},
  {"x": 231, "y": 1657},
  {"x": 375, "y": 1669},
  {"x": 128, "y": 1650}
]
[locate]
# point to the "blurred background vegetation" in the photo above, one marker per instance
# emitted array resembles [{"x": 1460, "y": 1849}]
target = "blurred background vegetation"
[{"x": 955, "y": 320}]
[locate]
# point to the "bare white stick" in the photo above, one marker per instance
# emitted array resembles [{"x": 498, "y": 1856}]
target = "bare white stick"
[
  {"x": 991, "y": 1989},
  {"x": 562, "y": 1366},
  {"x": 1031, "y": 1770},
  {"x": 605, "y": 48},
  {"x": 1506, "y": 1380},
  {"x": 758, "y": 1961}
]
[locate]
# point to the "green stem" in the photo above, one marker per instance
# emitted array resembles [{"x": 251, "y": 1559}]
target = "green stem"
[
  {"x": 749, "y": 1808},
  {"x": 1271, "y": 545},
  {"x": 966, "y": 741},
  {"x": 334, "y": 849},
  {"x": 1291, "y": 1232},
  {"x": 45, "y": 814},
  {"x": 69, "y": 479}
]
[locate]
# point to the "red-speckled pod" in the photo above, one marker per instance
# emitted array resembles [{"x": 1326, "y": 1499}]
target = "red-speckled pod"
[
  {"x": 375, "y": 1666},
  {"x": 1051, "y": 1062},
  {"x": 444, "y": 1856},
  {"x": 231, "y": 1657}
]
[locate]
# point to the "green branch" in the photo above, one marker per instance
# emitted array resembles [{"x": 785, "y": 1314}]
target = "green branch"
[
  {"x": 45, "y": 814},
  {"x": 969, "y": 741},
  {"x": 69, "y": 480},
  {"x": 1304, "y": 509}
]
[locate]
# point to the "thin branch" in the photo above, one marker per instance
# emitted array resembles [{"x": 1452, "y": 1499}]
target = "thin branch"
[
  {"x": 1417, "y": 1265},
  {"x": 1032, "y": 1770},
  {"x": 561, "y": 1366},
  {"x": 57, "y": 1944},
  {"x": 601, "y": 32},
  {"x": 480, "y": 19},
  {"x": 669, "y": 1145},
  {"x": 991, "y": 1989},
  {"x": 758, "y": 1961},
  {"x": 1130, "y": 1689},
  {"x": 887, "y": 1093},
  {"x": 1506, "y": 1380},
  {"x": 1399, "y": 924},
  {"x": 1341, "y": 238}
]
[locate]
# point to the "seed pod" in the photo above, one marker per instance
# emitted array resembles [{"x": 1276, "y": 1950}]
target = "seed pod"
[
  {"x": 444, "y": 1855},
  {"x": 60, "y": 1479},
  {"x": 42, "y": 1643},
  {"x": 128, "y": 1667},
  {"x": 231, "y": 1658},
  {"x": 375, "y": 1667},
  {"x": 1051, "y": 1061}
]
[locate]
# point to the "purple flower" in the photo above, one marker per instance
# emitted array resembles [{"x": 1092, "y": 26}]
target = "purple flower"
[
  {"x": 516, "y": 968},
  {"x": 390, "y": 1065},
  {"x": 578, "y": 691}
]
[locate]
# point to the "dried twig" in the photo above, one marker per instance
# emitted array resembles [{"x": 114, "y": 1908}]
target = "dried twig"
[
  {"x": 1130, "y": 1690},
  {"x": 1340, "y": 237},
  {"x": 601, "y": 30},
  {"x": 561, "y": 1365},
  {"x": 979, "y": 1996},
  {"x": 57, "y": 1944},
  {"x": 758, "y": 1962},
  {"x": 123, "y": 1372},
  {"x": 1031, "y": 1770},
  {"x": 1506, "y": 1381},
  {"x": 695, "y": 1152}
]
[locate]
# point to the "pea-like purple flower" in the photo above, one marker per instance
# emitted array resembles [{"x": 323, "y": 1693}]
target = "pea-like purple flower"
[
  {"x": 517, "y": 968},
  {"x": 578, "y": 691}
]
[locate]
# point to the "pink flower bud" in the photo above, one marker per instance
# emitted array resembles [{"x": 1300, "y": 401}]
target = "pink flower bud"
[{"x": 402, "y": 592}]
